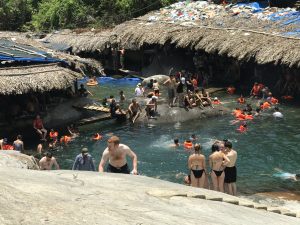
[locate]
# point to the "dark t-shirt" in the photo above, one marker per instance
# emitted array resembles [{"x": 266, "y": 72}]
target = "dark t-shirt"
[{"x": 179, "y": 88}]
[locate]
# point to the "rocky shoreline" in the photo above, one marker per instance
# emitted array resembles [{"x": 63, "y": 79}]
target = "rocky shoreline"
[{"x": 58, "y": 197}]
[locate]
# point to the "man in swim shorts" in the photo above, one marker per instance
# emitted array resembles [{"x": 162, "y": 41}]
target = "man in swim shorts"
[
  {"x": 116, "y": 154},
  {"x": 230, "y": 170}
]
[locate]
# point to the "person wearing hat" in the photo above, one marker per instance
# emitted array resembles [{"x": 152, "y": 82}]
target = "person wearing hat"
[
  {"x": 116, "y": 154},
  {"x": 2, "y": 142},
  {"x": 84, "y": 161},
  {"x": 139, "y": 91}
]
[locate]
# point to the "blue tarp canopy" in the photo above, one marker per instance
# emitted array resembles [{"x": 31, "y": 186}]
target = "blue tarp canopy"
[{"x": 11, "y": 51}]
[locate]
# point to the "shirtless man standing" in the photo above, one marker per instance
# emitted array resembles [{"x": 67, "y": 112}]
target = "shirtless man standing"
[
  {"x": 217, "y": 161},
  {"x": 171, "y": 85},
  {"x": 48, "y": 161},
  {"x": 134, "y": 110},
  {"x": 116, "y": 154},
  {"x": 230, "y": 170}
]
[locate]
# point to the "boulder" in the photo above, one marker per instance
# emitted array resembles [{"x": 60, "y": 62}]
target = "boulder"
[
  {"x": 16, "y": 159},
  {"x": 160, "y": 79}
]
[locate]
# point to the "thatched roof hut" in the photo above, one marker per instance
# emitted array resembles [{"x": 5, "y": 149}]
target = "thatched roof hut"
[
  {"x": 26, "y": 39},
  {"x": 221, "y": 31},
  {"x": 83, "y": 40},
  {"x": 241, "y": 43},
  {"x": 37, "y": 78}
]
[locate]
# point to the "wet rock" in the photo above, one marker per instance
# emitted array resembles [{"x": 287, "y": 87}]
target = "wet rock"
[
  {"x": 160, "y": 79},
  {"x": 14, "y": 159}
]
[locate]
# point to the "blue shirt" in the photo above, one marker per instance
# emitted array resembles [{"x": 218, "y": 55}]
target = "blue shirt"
[{"x": 84, "y": 163}]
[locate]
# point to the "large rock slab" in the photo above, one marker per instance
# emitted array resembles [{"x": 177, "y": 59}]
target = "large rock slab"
[
  {"x": 73, "y": 197},
  {"x": 15, "y": 159}
]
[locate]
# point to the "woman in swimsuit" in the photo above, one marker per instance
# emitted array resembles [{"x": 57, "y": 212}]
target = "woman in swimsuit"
[
  {"x": 196, "y": 164},
  {"x": 217, "y": 162},
  {"x": 18, "y": 144}
]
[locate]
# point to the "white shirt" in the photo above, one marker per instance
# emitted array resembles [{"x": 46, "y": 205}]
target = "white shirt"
[
  {"x": 278, "y": 115},
  {"x": 139, "y": 92}
]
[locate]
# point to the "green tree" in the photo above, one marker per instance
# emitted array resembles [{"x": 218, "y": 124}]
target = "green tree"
[
  {"x": 55, "y": 14},
  {"x": 14, "y": 14}
]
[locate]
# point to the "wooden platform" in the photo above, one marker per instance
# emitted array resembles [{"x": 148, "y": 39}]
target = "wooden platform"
[
  {"x": 92, "y": 107},
  {"x": 94, "y": 119}
]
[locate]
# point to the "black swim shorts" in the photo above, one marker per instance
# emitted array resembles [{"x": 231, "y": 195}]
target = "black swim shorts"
[
  {"x": 230, "y": 174},
  {"x": 123, "y": 169}
]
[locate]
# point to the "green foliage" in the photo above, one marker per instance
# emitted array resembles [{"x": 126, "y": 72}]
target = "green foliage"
[
  {"x": 58, "y": 14},
  {"x": 55, "y": 14},
  {"x": 14, "y": 14}
]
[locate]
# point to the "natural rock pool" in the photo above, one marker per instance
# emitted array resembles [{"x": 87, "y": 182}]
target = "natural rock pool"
[{"x": 268, "y": 144}]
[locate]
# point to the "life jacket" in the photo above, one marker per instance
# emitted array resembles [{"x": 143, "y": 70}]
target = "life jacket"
[
  {"x": 241, "y": 100},
  {"x": 266, "y": 105},
  {"x": 274, "y": 101},
  {"x": 248, "y": 117},
  {"x": 231, "y": 90},
  {"x": 53, "y": 134},
  {"x": 97, "y": 137},
  {"x": 287, "y": 97},
  {"x": 65, "y": 139},
  {"x": 216, "y": 102},
  {"x": 8, "y": 147},
  {"x": 242, "y": 128},
  {"x": 241, "y": 116},
  {"x": 237, "y": 112},
  {"x": 188, "y": 145}
]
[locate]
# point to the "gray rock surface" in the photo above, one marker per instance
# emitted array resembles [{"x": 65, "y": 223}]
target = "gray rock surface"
[
  {"x": 69, "y": 197},
  {"x": 160, "y": 79},
  {"x": 14, "y": 159}
]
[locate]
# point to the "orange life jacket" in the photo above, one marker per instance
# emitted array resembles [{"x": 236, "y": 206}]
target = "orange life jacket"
[
  {"x": 66, "y": 139},
  {"x": 266, "y": 105},
  {"x": 97, "y": 137},
  {"x": 248, "y": 117},
  {"x": 188, "y": 145},
  {"x": 8, "y": 147},
  {"x": 241, "y": 100},
  {"x": 216, "y": 102},
  {"x": 241, "y": 116},
  {"x": 242, "y": 128},
  {"x": 287, "y": 97},
  {"x": 274, "y": 100},
  {"x": 237, "y": 112},
  {"x": 53, "y": 134}
]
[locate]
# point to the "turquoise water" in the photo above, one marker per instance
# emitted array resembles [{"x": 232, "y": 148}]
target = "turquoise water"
[{"x": 268, "y": 144}]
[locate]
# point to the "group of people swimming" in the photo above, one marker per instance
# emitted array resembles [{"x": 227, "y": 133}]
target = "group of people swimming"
[{"x": 245, "y": 113}]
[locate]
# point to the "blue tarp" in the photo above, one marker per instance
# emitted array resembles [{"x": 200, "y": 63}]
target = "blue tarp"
[
  {"x": 283, "y": 17},
  {"x": 11, "y": 51}
]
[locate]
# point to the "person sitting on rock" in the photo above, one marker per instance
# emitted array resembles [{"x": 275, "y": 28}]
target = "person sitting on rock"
[
  {"x": 205, "y": 98},
  {"x": 82, "y": 92},
  {"x": 39, "y": 127}
]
